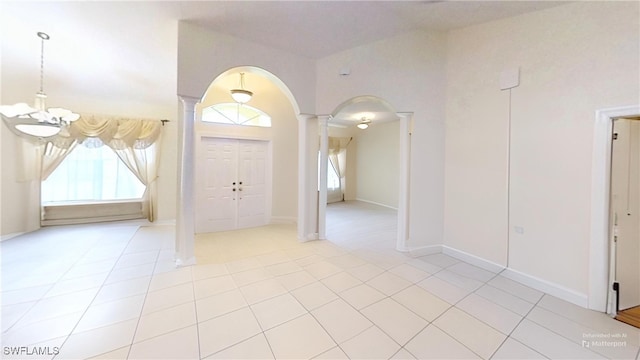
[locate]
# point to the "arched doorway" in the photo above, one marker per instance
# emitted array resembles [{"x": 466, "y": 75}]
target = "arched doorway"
[
  {"x": 192, "y": 131},
  {"x": 370, "y": 111}
]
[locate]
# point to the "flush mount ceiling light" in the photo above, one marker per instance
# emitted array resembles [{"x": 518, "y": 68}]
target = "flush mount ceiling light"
[
  {"x": 364, "y": 123},
  {"x": 37, "y": 121},
  {"x": 241, "y": 95}
]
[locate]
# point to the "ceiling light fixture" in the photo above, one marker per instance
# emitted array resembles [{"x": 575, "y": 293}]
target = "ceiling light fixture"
[
  {"x": 364, "y": 123},
  {"x": 37, "y": 121},
  {"x": 241, "y": 95}
]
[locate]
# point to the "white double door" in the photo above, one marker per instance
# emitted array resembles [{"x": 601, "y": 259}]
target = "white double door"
[{"x": 231, "y": 184}]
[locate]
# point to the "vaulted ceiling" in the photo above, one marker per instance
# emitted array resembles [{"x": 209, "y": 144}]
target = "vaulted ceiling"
[{"x": 99, "y": 46}]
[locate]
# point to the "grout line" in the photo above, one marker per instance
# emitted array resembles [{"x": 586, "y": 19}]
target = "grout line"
[
  {"x": 514, "y": 329},
  {"x": 144, "y": 300},
  {"x": 96, "y": 295},
  {"x": 195, "y": 308}
]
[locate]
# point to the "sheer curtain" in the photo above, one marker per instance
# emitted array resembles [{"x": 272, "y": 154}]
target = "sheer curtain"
[
  {"x": 135, "y": 141},
  {"x": 337, "y": 160}
]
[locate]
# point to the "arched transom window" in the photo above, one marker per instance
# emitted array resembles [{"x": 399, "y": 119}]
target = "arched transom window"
[{"x": 236, "y": 114}]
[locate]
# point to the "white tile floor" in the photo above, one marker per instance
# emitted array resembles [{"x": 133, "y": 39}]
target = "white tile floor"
[{"x": 111, "y": 291}]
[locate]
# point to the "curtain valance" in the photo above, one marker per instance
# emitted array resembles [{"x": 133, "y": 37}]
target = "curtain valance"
[{"x": 116, "y": 132}]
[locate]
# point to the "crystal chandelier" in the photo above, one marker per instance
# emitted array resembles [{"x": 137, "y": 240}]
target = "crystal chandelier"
[{"x": 37, "y": 121}]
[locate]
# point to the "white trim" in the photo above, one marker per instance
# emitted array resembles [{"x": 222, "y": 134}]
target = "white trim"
[
  {"x": 323, "y": 169},
  {"x": 287, "y": 220},
  {"x": 425, "y": 250},
  {"x": 185, "y": 229},
  {"x": 547, "y": 287},
  {"x": 307, "y": 177},
  {"x": 163, "y": 222},
  {"x": 376, "y": 203},
  {"x": 12, "y": 235},
  {"x": 188, "y": 262},
  {"x": 472, "y": 259},
  {"x": 599, "y": 289}
]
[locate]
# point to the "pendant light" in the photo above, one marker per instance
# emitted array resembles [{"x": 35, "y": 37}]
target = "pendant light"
[
  {"x": 364, "y": 124},
  {"x": 37, "y": 121},
  {"x": 241, "y": 95}
]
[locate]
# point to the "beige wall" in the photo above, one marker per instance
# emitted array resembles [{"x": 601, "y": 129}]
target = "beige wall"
[
  {"x": 378, "y": 164},
  {"x": 574, "y": 59}
]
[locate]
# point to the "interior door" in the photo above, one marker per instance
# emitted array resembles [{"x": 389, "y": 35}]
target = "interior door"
[
  {"x": 252, "y": 175},
  {"x": 625, "y": 209},
  {"x": 231, "y": 186}
]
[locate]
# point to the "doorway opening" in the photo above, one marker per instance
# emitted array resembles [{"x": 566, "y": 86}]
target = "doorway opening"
[
  {"x": 625, "y": 219},
  {"x": 601, "y": 295},
  {"x": 372, "y": 163}
]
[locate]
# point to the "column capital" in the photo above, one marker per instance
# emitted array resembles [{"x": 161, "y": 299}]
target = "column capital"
[{"x": 189, "y": 100}]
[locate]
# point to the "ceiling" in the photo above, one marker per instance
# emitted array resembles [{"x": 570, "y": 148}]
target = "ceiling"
[
  {"x": 319, "y": 28},
  {"x": 102, "y": 49}
]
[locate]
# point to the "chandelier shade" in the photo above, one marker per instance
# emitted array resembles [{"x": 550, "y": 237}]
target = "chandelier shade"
[
  {"x": 37, "y": 121},
  {"x": 241, "y": 95},
  {"x": 363, "y": 124}
]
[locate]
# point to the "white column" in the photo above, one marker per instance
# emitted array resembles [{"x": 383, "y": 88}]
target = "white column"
[
  {"x": 405, "y": 166},
  {"x": 185, "y": 212},
  {"x": 307, "y": 177},
  {"x": 323, "y": 123}
]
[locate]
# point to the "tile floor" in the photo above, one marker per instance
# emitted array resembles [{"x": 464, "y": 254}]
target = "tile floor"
[{"x": 111, "y": 291}]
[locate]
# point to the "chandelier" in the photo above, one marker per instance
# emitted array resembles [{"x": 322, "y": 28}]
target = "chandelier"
[
  {"x": 241, "y": 95},
  {"x": 37, "y": 121},
  {"x": 364, "y": 123}
]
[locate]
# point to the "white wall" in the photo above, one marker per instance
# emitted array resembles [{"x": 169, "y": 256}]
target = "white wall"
[
  {"x": 204, "y": 54},
  {"x": 378, "y": 164},
  {"x": 89, "y": 68},
  {"x": 283, "y": 134},
  {"x": 408, "y": 71},
  {"x": 574, "y": 59}
]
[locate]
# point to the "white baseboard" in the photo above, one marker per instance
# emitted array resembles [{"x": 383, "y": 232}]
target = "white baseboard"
[
  {"x": 188, "y": 262},
  {"x": 376, "y": 203},
  {"x": 472, "y": 259},
  {"x": 287, "y": 220},
  {"x": 547, "y": 287},
  {"x": 10, "y": 236},
  {"x": 164, "y": 222},
  {"x": 425, "y": 250}
]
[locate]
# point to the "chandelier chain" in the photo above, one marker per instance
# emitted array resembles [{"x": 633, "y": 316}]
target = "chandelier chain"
[{"x": 42, "y": 65}]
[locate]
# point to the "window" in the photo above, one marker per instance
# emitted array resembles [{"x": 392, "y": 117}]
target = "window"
[
  {"x": 333, "y": 181},
  {"x": 91, "y": 174},
  {"x": 237, "y": 114}
]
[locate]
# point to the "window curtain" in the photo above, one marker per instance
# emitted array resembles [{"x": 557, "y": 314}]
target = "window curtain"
[
  {"x": 135, "y": 141},
  {"x": 337, "y": 159}
]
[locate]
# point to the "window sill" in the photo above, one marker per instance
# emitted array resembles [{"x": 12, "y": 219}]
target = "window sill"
[{"x": 83, "y": 212}]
